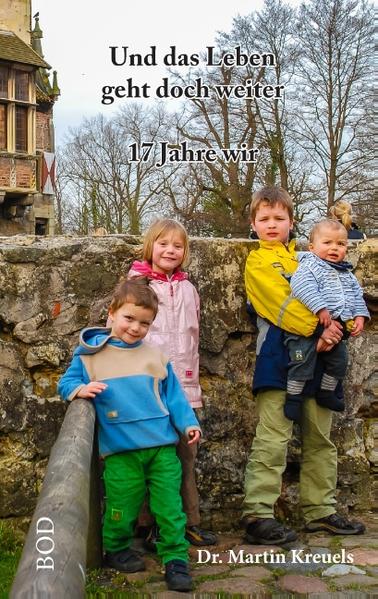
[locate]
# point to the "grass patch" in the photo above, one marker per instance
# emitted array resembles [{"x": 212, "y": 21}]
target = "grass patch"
[
  {"x": 335, "y": 544},
  {"x": 278, "y": 572},
  {"x": 356, "y": 586},
  {"x": 99, "y": 585},
  {"x": 10, "y": 553},
  {"x": 106, "y": 594}
]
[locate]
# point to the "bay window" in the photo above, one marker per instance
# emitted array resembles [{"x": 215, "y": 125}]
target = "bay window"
[{"x": 17, "y": 109}]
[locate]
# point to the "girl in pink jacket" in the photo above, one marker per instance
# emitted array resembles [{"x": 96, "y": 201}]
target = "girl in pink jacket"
[{"x": 175, "y": 330}]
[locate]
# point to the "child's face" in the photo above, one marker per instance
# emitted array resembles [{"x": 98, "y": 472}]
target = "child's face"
[
  {"x": 330, "y": 244},
  {"x": 272, "y": 223},
  {"x": 168, "y": 253},
  {"x": 130, "y": 323}
]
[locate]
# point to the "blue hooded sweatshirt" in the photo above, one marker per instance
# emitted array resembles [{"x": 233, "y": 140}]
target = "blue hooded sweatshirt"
[{"x": 143, "y": 405}]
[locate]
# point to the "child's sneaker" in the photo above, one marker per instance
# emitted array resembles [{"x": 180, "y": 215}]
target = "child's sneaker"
[
  {"x": 268, "y": 531},
  {"x": 124, "y": 561},
  {"x": 198, "y": 536},
  {"x": 152, "y": 538},
  {"x": 177, "y": 576},
  {"x": 336, "y": 525}
]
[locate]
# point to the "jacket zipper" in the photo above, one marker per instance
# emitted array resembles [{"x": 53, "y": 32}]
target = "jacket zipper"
[{"x": 171, "y": 349}]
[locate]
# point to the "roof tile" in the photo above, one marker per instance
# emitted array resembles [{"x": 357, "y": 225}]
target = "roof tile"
[{"x": 13, "y": 49}]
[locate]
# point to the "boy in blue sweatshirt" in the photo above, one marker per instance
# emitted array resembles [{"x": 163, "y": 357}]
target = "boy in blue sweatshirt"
[{"x": 140, "y": 409}]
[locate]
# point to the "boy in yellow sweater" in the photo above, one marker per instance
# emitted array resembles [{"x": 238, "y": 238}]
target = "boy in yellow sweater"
[{"x": 267, "y": 275}]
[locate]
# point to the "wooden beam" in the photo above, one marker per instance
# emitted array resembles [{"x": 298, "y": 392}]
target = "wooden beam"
[
  {"x": 53, "y": 560},
  {"x": 94, "y": 537}
]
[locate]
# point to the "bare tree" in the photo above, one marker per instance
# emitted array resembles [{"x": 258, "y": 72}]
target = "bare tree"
[
  {"x": 333, "y": 78},
  {"x": 270, "y": 30},
  {"x": 314, "y": 140},
  {"x": 216, "y": 123},
  {"x": 110, "y": 184}
]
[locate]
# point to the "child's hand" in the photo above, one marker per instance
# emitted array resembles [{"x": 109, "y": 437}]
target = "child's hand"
[
  {"x": 324, "y": 317},
  {"x": 332, "y": 334},
  {"x": 90, "y": 391},
  {"x": 358, "y": 326},
  {"x": 194, "y": 437},
  {"x": 322, "y": 345}
]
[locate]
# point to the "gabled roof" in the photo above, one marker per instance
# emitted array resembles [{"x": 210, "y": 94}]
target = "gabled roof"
[{"x": 13, "y": 49}]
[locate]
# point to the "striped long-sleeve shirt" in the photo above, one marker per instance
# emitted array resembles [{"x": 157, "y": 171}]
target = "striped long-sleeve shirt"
[{"x": 319, "y": 284}]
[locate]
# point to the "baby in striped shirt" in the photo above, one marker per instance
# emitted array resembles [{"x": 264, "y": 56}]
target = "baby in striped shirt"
[{"x": 325, "y": 284}]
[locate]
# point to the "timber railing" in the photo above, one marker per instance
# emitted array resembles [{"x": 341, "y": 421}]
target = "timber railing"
[{"x": 64, "y": 535}]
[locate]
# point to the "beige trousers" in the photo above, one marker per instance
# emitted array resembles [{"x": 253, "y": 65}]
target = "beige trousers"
[{"x": 267, "y": 460}]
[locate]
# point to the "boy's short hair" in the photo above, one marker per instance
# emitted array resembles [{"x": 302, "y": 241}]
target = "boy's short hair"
[
  {"x": 159, "y": 228},
  {"x": 135, "y": 291},
  {"x": 326, "y": 222},
  {"x": 271, "y": 195}
]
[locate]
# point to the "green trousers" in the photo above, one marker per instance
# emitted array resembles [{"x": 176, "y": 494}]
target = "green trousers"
[
  {"x": 267, "y": 461},
  {"x": 127, "y": 476}
]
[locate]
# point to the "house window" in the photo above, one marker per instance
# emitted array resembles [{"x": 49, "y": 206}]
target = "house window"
[
  {"x": 4, "y": 77},
  {"x": 21, "y": 128},
  {"x": 16, "y": 109},
  {"x": 3, "y": 126},
  {"x": 22, "y": 85}
]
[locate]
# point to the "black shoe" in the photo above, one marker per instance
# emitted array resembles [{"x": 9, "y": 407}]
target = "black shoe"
[
  {"x": 177, "y": 576},
  {"x": 152, "y": 538},
  {"x": 124, "y": 561},
  {"x": 336, "y": 525},
  {"x": 267, "y": 531},
  {"x": 328, "y": 399},
  {"x": 198, "y": 536}
]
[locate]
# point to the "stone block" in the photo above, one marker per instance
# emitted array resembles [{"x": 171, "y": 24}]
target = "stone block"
[{"x": 302, "y": 584}]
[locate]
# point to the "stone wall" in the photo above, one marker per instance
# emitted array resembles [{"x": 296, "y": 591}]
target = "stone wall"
[{"x": 51, "y": 288}]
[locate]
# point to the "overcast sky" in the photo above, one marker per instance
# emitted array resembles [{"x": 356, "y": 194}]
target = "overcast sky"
[{"x": 77, "y": 36}]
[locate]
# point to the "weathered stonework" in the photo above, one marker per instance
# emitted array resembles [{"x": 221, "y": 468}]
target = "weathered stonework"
[
  {"x": 51, "y": 288},
  {"x": 44, "y": 124}
]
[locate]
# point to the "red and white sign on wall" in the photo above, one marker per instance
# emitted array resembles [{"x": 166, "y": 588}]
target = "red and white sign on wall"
[{"x": 48, "y": 173}]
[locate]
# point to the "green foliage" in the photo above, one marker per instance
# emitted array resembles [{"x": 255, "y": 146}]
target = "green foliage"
[{"x": 10, "y": 553}]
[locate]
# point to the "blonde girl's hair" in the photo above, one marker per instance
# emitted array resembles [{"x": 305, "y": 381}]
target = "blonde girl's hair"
[
  {"x": 342, "y": 211},
  {"x": 158, "y": 229},
  {"x": 271, "y": 195},
  {"x": 327, "y": 223}
]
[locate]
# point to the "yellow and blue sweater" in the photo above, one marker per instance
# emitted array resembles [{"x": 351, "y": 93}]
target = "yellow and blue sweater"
[
  {"x": 143, "y": 405},
  {"x": 268, "y": 271}
]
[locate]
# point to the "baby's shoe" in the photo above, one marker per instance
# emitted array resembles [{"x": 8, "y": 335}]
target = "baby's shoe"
[
  {"x": 293, "y": 407},
  {"x": 328, "y": 399}
]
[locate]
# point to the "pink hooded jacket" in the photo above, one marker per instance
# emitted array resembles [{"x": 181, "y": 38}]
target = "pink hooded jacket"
[{"x": 175, "y": 329}]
